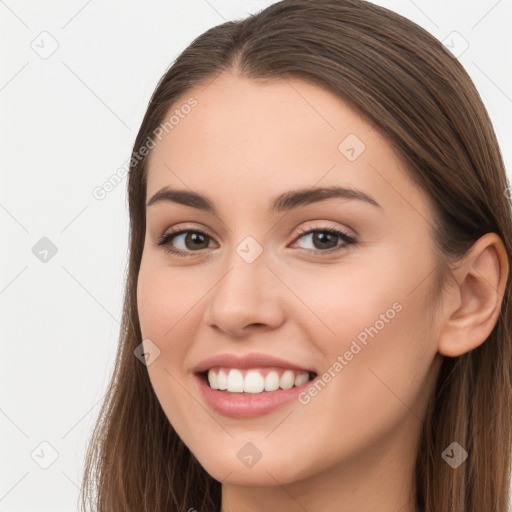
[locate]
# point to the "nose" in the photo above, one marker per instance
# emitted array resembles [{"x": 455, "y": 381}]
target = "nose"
[{"x": 247, "y": 296}]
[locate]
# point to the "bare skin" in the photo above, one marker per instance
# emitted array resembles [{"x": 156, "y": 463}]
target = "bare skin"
[{"x": 351, "y": 446}]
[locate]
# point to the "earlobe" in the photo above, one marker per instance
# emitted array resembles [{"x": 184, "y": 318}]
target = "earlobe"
[{"x": 481, "y": 281}]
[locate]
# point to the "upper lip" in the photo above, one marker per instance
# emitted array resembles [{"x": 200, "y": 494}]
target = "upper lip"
[{"x": 245, "y": 361}]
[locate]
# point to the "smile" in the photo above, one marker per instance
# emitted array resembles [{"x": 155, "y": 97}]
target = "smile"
[{"x": 255, "y": 380}]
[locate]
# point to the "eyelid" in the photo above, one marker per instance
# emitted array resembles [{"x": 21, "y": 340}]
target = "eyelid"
[
  {"x": 324, "y": 226},
  {"x": 179, "y": 228},
  {"x": 296, "y": 232}
]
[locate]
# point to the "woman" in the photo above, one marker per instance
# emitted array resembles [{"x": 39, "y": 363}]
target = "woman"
[{"x": 317, "y": 311}]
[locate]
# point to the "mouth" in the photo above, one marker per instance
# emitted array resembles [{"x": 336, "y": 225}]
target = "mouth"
[{"x": 254, "y": 381}]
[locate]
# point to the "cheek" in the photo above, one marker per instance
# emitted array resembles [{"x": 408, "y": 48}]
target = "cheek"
[
  {"x": 165, "y": 299},
  {"x": 376, "y": 340},
  {"x": 164, "y": 308},
  {"x": 337, "y": 304},
  {"x": 370, "y": 321}
]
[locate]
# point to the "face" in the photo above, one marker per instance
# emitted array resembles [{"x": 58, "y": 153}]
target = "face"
[{"x": 333, "y": 284}]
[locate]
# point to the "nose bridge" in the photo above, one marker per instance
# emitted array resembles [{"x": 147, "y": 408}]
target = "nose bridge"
[
  {"x": 247, "y": 273},
  {"x": 245, "y": 294}
]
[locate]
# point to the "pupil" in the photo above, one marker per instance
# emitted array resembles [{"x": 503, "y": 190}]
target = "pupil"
[
  {"x": 195, "y": 237},
  {"x": 322, "y": 238}
]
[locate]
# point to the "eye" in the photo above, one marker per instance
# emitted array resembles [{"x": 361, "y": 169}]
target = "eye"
[
  {"x": 194, "y": 239},
  {"x": 325, "y": 239}
]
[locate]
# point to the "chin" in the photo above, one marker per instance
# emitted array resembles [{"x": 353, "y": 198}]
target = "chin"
[{"x": 270, "y": 470}]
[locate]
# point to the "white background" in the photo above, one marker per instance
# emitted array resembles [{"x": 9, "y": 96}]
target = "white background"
[{"x": 67, "y": 124}]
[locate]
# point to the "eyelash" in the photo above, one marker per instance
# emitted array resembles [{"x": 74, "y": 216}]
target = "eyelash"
[{"x": 348, "y": 240}]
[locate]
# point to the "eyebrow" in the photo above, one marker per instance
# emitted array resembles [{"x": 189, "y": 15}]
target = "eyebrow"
[{"x": 283, "y": 202}]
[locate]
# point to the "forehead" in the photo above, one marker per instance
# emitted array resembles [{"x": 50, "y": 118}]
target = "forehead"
[{"x": 247, "y": 140}]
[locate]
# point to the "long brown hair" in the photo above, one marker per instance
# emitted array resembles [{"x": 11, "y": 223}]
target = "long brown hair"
[{"x": 402, "y": 80}]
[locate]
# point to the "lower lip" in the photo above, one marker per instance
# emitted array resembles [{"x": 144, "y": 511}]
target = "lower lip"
[{"x": 238, "y": 405}]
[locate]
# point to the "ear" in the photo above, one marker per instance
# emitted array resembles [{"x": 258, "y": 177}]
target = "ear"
[{"x": 474, "y": 305}]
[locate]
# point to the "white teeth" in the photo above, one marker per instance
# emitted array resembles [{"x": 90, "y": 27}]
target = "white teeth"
[
  {"x": 222, "y": 380},
  {"x": 287, "y": 380},
  {"x": 254, "y": 382},
  {"x": 301, "y": 378},
  {"x": 213, "y": 380},
  {"x": 235, "y": 381},
  {"x": 271, "y": 381}
]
